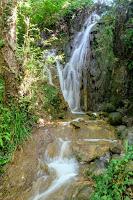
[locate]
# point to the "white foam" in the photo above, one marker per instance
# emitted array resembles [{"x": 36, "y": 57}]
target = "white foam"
[{"x": 66, "y": 170}]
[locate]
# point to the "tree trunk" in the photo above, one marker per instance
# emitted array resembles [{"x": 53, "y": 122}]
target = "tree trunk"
[{"x": 8, "y": 15}]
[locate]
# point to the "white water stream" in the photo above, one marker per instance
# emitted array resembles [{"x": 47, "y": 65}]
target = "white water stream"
[
  {"x": 66, "y": 169},
  {"x": 71, "y": 76}
]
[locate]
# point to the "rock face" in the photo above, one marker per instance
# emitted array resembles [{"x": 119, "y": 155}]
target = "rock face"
[
  {"x": 80, "y": 191},
  {"x": 30, "y": 173},
  {"x": 87, "y": 151},
  {"x": 107, "y": 77}
]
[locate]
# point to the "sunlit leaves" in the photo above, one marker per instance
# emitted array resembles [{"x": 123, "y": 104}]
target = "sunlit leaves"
[{"x": 116, "y": 181}]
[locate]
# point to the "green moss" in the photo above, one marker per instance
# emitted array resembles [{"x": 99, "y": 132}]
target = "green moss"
[
  {"x": 52, "y": 100},
  {"x": 1, "y": 43},
  {"x": 115, "y": 118}
]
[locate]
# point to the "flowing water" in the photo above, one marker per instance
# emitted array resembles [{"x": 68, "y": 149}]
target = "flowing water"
[
  {"x": 91, "y": 140},
  {"x": 74, "y": 72},
  {"x": 47, "y": 56},
  {"x": 64, "y": 168},
  {"x": 52, "y": 164}
]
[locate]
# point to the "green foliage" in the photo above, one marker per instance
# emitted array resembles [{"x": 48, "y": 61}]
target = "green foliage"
[
  {"x": 47, "y": 12},
  {"x": 124, "y": 20},
  {"x": 2, "y": 89},
  {"x": 77, "y": 4},
  {"x": 15, "y": 126},
  {"x": 116, "y": 183},
  {"x": 1, "y": 43},
  {"x": 34, "y": 87},
  {"x": 52, "y": 99},
  {"x": 127, "y": 39},
  {"x": 104, "y": 43}
]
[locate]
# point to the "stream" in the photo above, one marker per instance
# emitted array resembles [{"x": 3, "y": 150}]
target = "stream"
[
  {"x": 54, "y": 163},
  {"x": 64, "y": 169}
]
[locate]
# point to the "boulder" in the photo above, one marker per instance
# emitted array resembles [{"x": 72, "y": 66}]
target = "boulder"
[
  {"x": 75, "y": 124},
  {"x": 81, "y": 190},
  {"x": 116, "y": 149},
  {"x": 130, "y": 136},
  {"x": 52, "y": 150},
  {"x": 86, "y": 151},
  {"x": 115, "y": 118},
  {"x": 128, "y": 121},
  {"x": 121, "y": 131},
  {"x": 92, "y": 116}
]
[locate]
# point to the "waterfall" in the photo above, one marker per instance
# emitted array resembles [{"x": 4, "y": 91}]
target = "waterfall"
[
  {"x": 74, "y": 72},
  {"x": 47, "y": 67},
  {"x": 106, "y": 2}
]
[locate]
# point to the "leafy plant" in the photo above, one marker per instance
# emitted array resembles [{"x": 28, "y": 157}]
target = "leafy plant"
[
  {"x": 15, "y": 126},
  {"x": 116, "y": 183},
  {"x": 2, "y": 89},
  {"x": 52, "y": 99},
  {"x": 1, "y": 43},
  {"x": 47, "y": 12}
]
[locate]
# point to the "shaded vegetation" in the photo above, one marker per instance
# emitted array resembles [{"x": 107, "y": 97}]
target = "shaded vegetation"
[
  {"x": 15, "y": 126},
  {"x": 34, "y": 96},
  {"x": 36, "y": 31}
]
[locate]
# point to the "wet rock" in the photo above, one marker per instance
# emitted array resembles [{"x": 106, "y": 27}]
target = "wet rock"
[
  {"x": 116, "y": 149},
  {"x": 130, "y": 136},
  {"x": 128, "y": 121},
  {"x": 97, "y": 167},
  {"x": 43, "y": 167},
  {"x": 87, "y": 151},
  {"x": 121, "y": 131},
  {"x": 61, "y": 116},
  {"x": 103, "y": 115},
  {"x": 92, "y": 116},
  {"x": 52, "y": 150},
  {"x": 80, "y": 191},
  {"x": 76, "y": 124},
  {"x": 115, "y": 118},
  {"x": 103, "y": 160},
  {"x": 93, "y": 170}
]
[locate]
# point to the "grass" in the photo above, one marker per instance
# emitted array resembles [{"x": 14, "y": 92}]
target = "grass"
[{"x": 15, "y": 127}]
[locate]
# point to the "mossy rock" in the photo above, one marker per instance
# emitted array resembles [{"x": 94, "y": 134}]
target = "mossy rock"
[
  {"x": 92, "y": 116},
  {"x": 75, "y": 124},
  {"x": 122, "y": 132},
  {"x": 115, "y": 118},
  {"x": 108, "y": 107}
]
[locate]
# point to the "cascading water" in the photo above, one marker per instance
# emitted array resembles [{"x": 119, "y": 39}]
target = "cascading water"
[
  {"x": 47, "y": 56},
  {"x": 72, "y": 74},
  {"x": 65, "y": 169}
]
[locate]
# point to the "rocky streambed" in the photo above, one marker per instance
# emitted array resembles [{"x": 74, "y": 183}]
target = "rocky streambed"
[{"x": 58, "y": 160}]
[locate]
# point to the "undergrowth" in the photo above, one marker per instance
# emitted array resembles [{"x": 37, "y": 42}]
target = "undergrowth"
[
  {"x": 15, "y": 126},
  {"x": 117, "y": 182}
]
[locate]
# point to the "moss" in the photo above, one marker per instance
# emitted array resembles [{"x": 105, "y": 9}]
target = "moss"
[{"x": 115, "y": 118}]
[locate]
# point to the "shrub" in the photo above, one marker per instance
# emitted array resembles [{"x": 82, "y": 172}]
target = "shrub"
[
  {"x": 116, "y": 183},
  {"x": 15, "y": 126}
]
